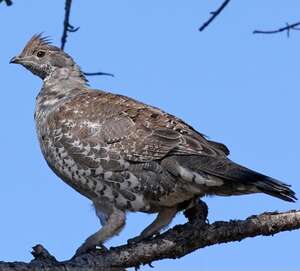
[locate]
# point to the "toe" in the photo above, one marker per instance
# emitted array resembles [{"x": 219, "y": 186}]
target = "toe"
[
  {"x": 137, "y": 239},
  {"x": 84, "y": 249}
]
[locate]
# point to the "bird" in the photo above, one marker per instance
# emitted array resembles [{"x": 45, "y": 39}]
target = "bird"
[{"x": 125, "y": 155}]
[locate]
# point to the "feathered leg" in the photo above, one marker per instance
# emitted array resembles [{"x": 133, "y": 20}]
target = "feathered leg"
[
  {"x": 162, "y": 220},
  {"x": 113, "y": 223}
]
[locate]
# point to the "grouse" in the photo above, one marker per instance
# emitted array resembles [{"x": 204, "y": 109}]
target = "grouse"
[{"x": 125, "y": 155}]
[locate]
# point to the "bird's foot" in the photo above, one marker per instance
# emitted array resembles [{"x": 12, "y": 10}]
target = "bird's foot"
[
  {"x": 135, "y": 240},
  {"x": 86, "y": 248},
  {"x": 140, "y": 238},
  {"x": 197, "y": 213}
]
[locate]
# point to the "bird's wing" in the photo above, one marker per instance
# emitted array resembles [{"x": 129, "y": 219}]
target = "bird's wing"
[{"x": 137, "y": 131}]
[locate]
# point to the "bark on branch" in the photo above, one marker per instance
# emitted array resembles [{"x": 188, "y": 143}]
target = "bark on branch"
[{"x": 175, "y": 243}]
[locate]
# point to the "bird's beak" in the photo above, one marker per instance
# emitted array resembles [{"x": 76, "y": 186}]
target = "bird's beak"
[{"x": 15, "y": 60}]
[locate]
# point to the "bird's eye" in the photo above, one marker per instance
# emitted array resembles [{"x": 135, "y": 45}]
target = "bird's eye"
[{"x": 40, "y": 53}]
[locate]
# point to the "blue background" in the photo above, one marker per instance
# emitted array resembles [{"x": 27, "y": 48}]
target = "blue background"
[{"x": 236, "y": 87}]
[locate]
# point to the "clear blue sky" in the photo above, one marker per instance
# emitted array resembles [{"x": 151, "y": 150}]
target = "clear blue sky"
[{"x": 235, "y": 87}]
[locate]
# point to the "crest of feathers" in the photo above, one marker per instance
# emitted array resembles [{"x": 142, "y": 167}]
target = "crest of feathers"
[{"x": 36, "y": 42}]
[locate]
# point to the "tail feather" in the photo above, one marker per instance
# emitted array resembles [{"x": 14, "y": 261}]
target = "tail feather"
[
  {"x": 276, "y": 189},
  {"x": 229, "y": 171}
]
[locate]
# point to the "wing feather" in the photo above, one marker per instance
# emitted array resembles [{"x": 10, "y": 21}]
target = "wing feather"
[{"x": 137, "y": 131}]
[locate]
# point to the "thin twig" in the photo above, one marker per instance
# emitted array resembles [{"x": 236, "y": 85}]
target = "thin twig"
[
  {"x": 67, "y": 26},
  {"x": 98, "y": 73},
  {"x": 214, "y": 15},
  {"x": 286, "y": 28}
]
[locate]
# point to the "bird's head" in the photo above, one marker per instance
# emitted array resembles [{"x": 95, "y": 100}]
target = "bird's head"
[{"x": 42, "y": 58}]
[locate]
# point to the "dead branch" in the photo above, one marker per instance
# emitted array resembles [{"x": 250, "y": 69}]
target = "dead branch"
[
  {"x": 214, "y": 14},
  {"x": 175, "y": 243},
  {"x": 68, "y": 28},
  {"x": 287, "y": 28},
  {"x": 98, "y": 73}
]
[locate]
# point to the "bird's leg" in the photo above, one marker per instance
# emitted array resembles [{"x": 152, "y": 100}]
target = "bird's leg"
[
  {"x": 197, "y": 213},
  {"x": 111, "y": 226},
  {"x": 162, "y": 220}
]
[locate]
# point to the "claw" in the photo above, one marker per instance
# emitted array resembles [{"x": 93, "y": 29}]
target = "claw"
[
  {"x": 134, "y": 240},
  {"x": 140, "y": 238},
  {"x": 85, "y": 248},
  {"x": 102, "y": 248}
]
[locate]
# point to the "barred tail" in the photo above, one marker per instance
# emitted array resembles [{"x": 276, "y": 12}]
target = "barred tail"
[
  {"x": 274, "y": 188},
  {"x": 233, "y": 175}
]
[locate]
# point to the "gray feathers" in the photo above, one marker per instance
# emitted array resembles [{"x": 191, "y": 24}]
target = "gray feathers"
[
  {"x": 126, "y": 155},
  {"x": 237, "y": 178}
]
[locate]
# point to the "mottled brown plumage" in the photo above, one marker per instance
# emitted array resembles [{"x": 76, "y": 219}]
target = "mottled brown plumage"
[{"x": 125, "y": 155}]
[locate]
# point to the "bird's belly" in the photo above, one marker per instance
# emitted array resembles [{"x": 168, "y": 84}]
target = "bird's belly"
[
  {"x": 68, "y": 169},
  {"x": 100, "y": 174},
  {"x": 99, "y": 179},
  {"x": 73, "y": 175},
  {"x": 119, "y": 185},
  {"x": 171, "y": 200}
]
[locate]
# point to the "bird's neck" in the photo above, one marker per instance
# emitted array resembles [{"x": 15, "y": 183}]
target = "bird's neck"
[
  {"x": 62, "y": 84},
  {"x": 71, "y": 75}
]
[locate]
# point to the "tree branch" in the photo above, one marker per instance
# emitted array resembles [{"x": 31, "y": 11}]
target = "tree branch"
[
  {"x": 68, "y": 28},
  {"x": 214, "y": 14},
  {"x": 98, "y": 73},
  {"x": 287, "y": 28},
  {"x": 175, "y": 243}
]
